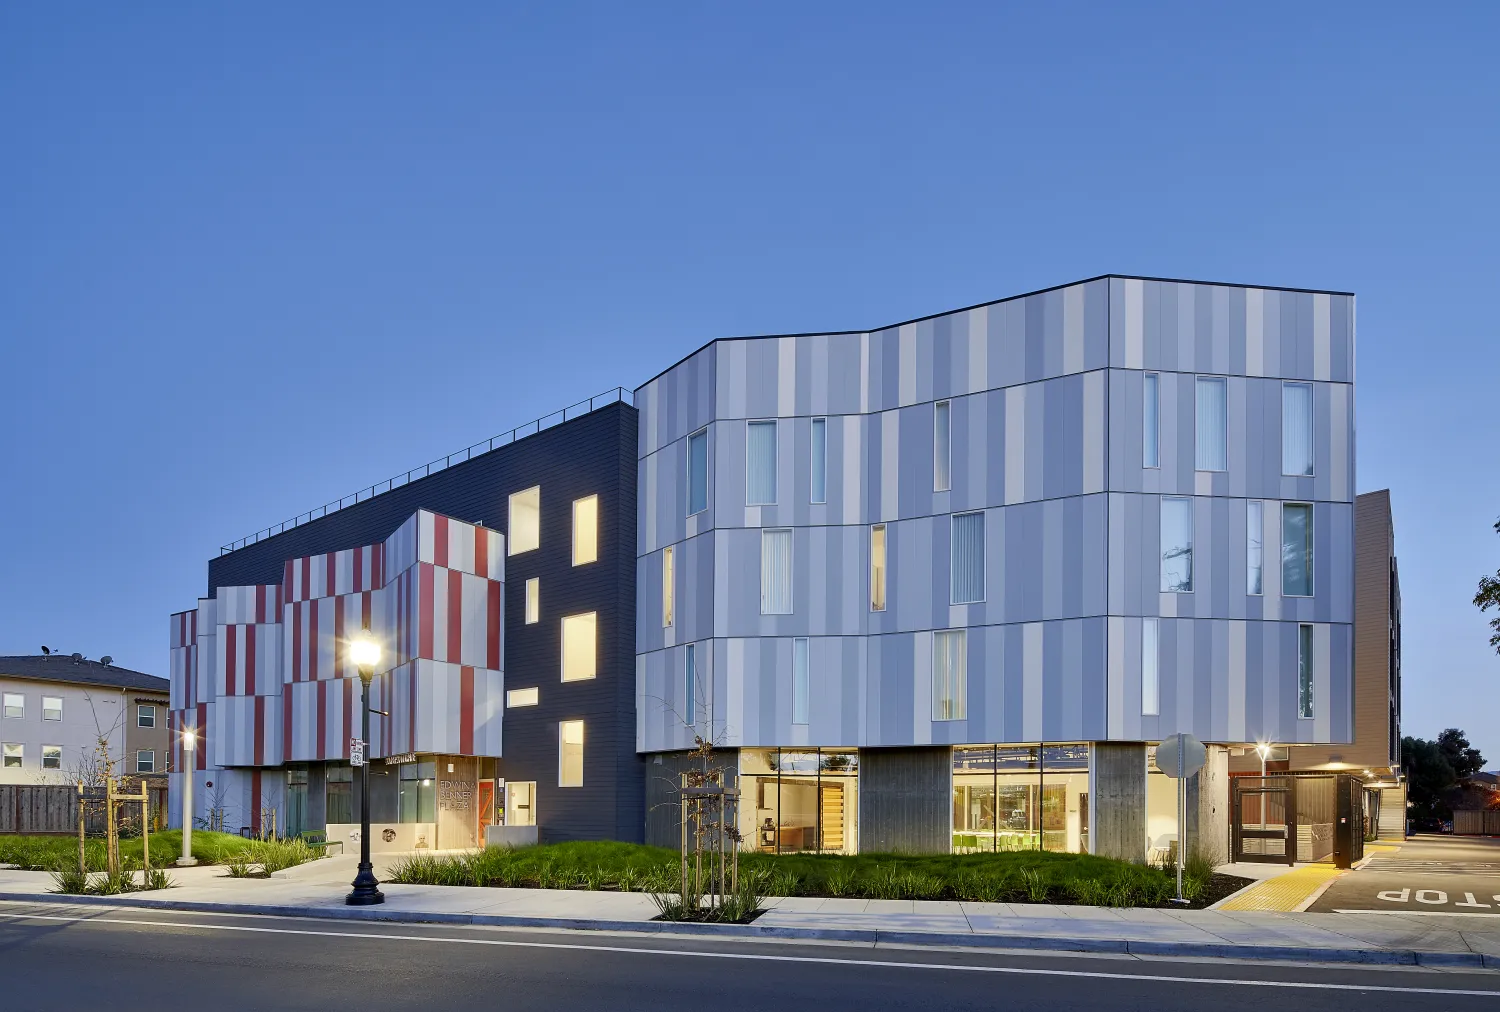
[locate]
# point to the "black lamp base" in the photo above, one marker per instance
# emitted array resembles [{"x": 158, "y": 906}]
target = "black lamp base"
[{"x": 366, "y": 890}]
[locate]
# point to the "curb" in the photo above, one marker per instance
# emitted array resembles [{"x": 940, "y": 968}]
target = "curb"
[{"x": 1217, "y": 950}]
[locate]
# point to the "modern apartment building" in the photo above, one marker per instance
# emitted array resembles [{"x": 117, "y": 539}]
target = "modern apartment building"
[
  {"x": 937, "y": 586},
  {"x": 57, "y": 708}
]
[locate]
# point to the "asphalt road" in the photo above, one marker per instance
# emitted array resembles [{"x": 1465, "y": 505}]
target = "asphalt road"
[
  {"x": 58, "y": 957},
  {"x": 1431, "y": 874}
]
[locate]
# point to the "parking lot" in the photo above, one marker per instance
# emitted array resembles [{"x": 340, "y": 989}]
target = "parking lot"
[{"x": 1429, "y": 874}]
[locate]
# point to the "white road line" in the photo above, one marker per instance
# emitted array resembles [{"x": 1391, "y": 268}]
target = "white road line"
[{"x": 764, "y": 957}]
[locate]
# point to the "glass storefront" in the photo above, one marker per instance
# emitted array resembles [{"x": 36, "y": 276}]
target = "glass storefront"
[
  {"x": 417, "y": 800},
  {"x": 1161, "y": 812},
  {"x": 799, "y": 801},
  {"x": 1020, "y": 797},
  {"x": 338, "y": 794}
]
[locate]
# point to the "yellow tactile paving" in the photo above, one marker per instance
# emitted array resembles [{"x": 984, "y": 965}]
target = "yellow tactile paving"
[{"x": 1284, "y": 893}]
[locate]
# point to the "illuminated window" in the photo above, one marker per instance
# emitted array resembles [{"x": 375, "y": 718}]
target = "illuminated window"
[
  {"x": 522, "y": 697},
  {"x": 525, "y": 521},
  {"x": 579, "y": 637},
  {"x": 949, "y": 675},
  {"x": 533, "y": 600},
  {"x": 585, "y": 530},
  {"x": 570, "y": 753},
  {"x": 668, "y": 576},
  {"x": 877, "y": 567}
]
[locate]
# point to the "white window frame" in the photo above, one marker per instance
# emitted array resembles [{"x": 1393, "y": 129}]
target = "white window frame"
[
  {"x": 751, "y": 425},
  {"x": 562, "y": 745},
  {"x": 1307, "y": 680},
  {"x": 58, "y": 709},
  {"x": 593, "y": 617},
  {"x": 1223, "y": 383},
  {"x": 512, "y": 543},
  {"x": 817, "y": 491},
  {"x": 586, "y": 548},
  {"x": 801, "y": 679},
  {"x": 1151, "y": 420},
  {"x": 533, "y": 602},
  {"x": 879, "y": 575},
  {"x": 149, "y": 762},
  {"x": 942, "y": 445},
  {"x": 791, "y": 565},
  {"x": 1312, "y": 572},
  {"x": 144, "y": 711},
  {"x": 1150, "y": 667},
  {"x": 691, "y": 474},
  {"x": 953, "y": 557},
  {"x": 530, "y": 696},
  {"x": 12, "y": 750},
  {"x": 668, "y": 587},
  {"x": 13, "y": 701},
  {"x": 959, "y": 703},
  {"x": 1312, "y": 429},
  {"x": 57, "y": 765}
]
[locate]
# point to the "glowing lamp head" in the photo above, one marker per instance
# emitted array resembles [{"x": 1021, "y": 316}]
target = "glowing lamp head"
[
  {"x": 365, "y": 652},
  {"x": 1263, "y": 750},
  {"x": 189, "y": 739}
]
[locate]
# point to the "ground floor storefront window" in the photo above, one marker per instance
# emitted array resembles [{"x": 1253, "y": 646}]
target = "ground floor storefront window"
[
  {"x": 338, "y": 794},
  {"x": 799, "y": 801},
  {"x": 417, "y": 799},
  {"x": 1161, "y": 812},
  {"x": 1020, "y": 797}
]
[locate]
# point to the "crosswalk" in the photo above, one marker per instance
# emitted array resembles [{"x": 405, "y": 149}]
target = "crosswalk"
[{"x": 1396, "y": 864}]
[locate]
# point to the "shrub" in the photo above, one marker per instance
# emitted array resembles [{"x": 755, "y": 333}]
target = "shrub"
[
  {"x": 70, "y": 880},
  {"x": 157, "y": 878}
]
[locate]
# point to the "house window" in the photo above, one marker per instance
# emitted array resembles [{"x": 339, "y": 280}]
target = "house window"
[
  {"x": 525, "y": 521},
  {"x": 1305, "y": 671},
  {"x": 1255, "y": 540},
  {"x": 1151, "y": 421},
  {"x": 877, "y": 567},
  {"x": 416, "y": 799},
  {"x": 338, "y": 794},
  {"x": 968, "y": 558},
  {"x": 667, "y": 577},
  {"x": 949, "y": 674},
  {"x": 51, "y": 757},
  {"x": 52, "y": 708},
  {"x": 690, "y": 684},
  {"x": 1212, "y": 436},
  {"x": 145, "y": 761},
  {"x": 145, "y": 715},
  {"x": 14, "y": 704},
  {"x": 697, "y": 472},
  {"x": 521, "y": 697},
  {"x": 579, "y": 639},
  {"x": 1176, "y": 545},
  {"x": 942, "y": 446},
  {"x": 585, "y": 530},
  {"x": 570, "y": 753},
  {"x": 13, "y": 754},
  {"x": 819, "y": 460},
  {"x": 1296, "y": 428},
  {"x": 1150, "y": 683},
  {"x": 760, "y": 463},
  {"x": 801, "y": 683},
  {"x": 533, "y": 600},
  {"x": 1296, "y": 550},
  {"x": 776, "y": 572}
]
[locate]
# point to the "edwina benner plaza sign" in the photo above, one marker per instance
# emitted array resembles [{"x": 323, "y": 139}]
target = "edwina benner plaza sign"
[{"x": 455, "y": 795}]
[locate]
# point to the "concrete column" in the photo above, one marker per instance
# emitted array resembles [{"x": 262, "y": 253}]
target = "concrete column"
[
  {"x": 1208, "y": 807},
  {"x": 1117, "y": 785},
  {"x": 906, "y": 800}
]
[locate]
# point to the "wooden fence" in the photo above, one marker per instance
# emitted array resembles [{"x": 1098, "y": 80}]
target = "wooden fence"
[
  {"x": 39, "y": 809},
  {"x": 1477, "y": 822}
]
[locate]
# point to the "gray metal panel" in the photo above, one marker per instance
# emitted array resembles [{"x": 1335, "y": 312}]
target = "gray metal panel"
[{"x": 906, "y": 801}]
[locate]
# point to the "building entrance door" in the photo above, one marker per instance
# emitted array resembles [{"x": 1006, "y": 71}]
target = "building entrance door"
[
  {"x": 520, "y": 803},
  {"x": 1264, "y": 819}
]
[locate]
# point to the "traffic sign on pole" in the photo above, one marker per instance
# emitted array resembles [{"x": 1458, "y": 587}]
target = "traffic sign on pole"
[{"x": 1179, "y": 757}]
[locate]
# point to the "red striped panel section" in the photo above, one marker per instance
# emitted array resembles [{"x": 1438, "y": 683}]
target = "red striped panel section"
[
  {"x": 255, "y": 802},
  {"x": 492, "y": 632},
  {"x": 481, "y": 552},
  {"x": 425, "y": 575},
  {"x": 312, "y": 640},
  {"x": 231, "y": 634},
  {"x": 440, "y": 540},
  {"x": 251, "y": 635},
  {"x": 258, "y": 715},
  {"x": 455, "y": 616}
]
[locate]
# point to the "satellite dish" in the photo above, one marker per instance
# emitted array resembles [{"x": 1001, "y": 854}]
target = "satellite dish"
[
  {"x": 46, "y": 652},
  {"x": 106, "y": 660},
  {"x": 77, "y": 658}
]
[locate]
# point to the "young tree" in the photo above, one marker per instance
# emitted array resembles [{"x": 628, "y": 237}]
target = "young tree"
[{"x": 1489, "y": 597}]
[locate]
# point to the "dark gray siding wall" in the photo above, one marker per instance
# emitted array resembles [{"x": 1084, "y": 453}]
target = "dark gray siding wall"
[
  {"x": 1118, "y": 825},
  {"x": 663, "y": 804},
  {"x": 905, "y": 800},
  {"x": 593, "y": 454}
]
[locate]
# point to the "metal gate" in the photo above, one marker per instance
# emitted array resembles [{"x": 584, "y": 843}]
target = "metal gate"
[{"x": 1263, "y": 819}]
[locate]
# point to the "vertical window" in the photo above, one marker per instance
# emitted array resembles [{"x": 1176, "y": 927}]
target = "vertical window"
[
  {"x": 1150, "y": 655},
  {"x": 52, "y": 708},
  {"x": 525, "y": 521},
  {"x": 668, "y": 576},
  {"x": 690, "y": 684},
  {"x": 416, "y": 797},
  {"x": 1255, "y": 540},
  {"x": 1304, "y": 671},
  {"x": 697, "y": 472},
  {"x": 968, "y": 558},
  {"x": 522, "y": 697},
  {"x": 570, "y": 753},
  {"x": 1176, "y": 545},
  {"x": 1151, "y": 421},
  {"x": 579, "y": 637},
  {"x": 776, "y": 572},
  {"x": 877, "y": 567},
  {"x": 801, "y": 686},
  {"x": 820, "y": 460},
  {"x": 1296, "y": 550},
  {"x": 338, "y": 795},
  {"x": 1296, "y": 428},
  {"x": 585, "y": 530},
  {"x": 1212, "y": 429},
  {"x": 51, "y": 757},
  {"x": 533, "y": 600},
  {"x": 942, "y": 446},
  {"x": 145, "y": 761},
  {"x": 949, "y": 674},
  {"x": 760, "y": 463},
  {"x": 145, "y": 716},
  {"x": 14, "y": 704},
  {"x": 13, "y": 755}
]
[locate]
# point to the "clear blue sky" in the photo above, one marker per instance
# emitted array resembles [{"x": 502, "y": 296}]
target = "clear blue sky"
[{"x": 252, "y": 260}]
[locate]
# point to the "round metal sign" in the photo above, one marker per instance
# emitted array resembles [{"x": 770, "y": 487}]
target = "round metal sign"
[{"x": 1180, "y": 756}]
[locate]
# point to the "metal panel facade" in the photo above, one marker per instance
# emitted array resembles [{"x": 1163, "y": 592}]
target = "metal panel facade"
[{"x": 1045, "y": 411}]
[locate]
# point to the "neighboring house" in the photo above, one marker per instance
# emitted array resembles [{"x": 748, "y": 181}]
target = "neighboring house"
[
  {"x": 55, "y": 709},
  {"x": 942, "y": 585}
]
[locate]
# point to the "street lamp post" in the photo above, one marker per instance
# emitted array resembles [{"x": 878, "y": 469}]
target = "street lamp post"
[
  {"x": 366, "y": 654},
  {"x": 189, "y": 739}
]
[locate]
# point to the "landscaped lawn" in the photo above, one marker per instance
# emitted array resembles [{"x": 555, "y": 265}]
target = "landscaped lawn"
[
  {"x": 49, "y": 853},
  {"x": 1015, "y": 876}
]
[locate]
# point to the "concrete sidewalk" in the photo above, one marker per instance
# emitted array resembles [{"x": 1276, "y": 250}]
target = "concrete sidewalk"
[{"x": 317, "y": 890}]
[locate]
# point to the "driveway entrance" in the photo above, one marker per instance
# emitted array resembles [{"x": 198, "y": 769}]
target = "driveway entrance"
[{"x": 1429, "y": 874}]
